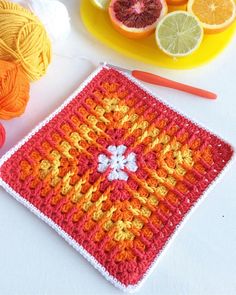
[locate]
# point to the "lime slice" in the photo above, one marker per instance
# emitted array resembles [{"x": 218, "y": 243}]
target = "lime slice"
[
  {"x": 102, "y": 4},
  {"x": 179, "y": 33}
]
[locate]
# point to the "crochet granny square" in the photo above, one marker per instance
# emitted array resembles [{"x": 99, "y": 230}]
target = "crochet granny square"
[{"x": 114, "y": 171}]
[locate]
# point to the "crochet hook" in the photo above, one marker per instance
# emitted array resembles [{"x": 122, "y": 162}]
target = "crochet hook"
[{"x": 161, "y": 81}]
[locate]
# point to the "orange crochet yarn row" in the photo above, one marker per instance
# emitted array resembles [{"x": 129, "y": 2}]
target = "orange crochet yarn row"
[{"x": 14, "y": 90}]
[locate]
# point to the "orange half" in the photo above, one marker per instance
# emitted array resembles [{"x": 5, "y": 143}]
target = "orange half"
[
  {"x": 215, "y": 15},
  {"x": 176, "y": 2}
]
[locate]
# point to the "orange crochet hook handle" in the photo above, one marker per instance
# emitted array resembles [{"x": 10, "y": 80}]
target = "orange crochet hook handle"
[{"x": 157, "y": 80}]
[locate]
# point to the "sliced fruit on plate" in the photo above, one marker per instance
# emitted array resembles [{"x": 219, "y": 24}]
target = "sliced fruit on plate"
[
  {"x": 136, "y": 18},
  {"x": 102, "y": 4},
  {"x": 215, "y": 15},
  {"x": 176, "y": 2},
  {"x": 179, "y": 34}
]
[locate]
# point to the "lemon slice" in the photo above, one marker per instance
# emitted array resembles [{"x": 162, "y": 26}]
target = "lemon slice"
[
  {"x": 179, "y": 33},
  {"x": 102, "y": 4}
]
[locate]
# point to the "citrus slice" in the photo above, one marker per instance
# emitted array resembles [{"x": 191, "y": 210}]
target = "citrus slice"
[
  {"x": 176, "y": 2},
  {"x": 179, "y": 33},
  {"x": 215, "y": 15},
  {"x": 102, "y": 4},
  {"x": 137, "y": 18}
]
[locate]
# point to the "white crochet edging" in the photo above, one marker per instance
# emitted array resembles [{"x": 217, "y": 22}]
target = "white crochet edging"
[{"x": 68, "y": 238}]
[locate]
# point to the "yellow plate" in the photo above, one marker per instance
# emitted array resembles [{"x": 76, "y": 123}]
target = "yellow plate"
[{"x": 98, "y": 24}]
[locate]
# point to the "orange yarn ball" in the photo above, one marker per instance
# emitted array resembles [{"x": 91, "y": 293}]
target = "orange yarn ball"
[{"x": 14, "y": 90}]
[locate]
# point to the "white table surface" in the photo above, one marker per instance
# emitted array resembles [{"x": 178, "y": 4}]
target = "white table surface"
[{"x": 34, "y": 260}]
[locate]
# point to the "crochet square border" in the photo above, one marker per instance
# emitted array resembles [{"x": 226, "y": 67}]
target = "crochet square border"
[{"x": 190, "y": 158}]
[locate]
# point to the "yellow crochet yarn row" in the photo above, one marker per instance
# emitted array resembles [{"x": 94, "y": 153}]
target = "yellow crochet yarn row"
[{"x": 23, "y": 39}]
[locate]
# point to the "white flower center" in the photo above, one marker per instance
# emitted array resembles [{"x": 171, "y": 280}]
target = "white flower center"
[{"x": 117, "y": 163}]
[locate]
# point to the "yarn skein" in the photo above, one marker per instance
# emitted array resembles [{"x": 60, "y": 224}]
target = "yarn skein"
[
  {"x": 14, "y": 90},
  {"x": 24, "y": 40}
]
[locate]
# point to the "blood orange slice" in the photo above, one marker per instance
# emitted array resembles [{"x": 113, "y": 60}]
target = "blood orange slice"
[{"x": 136, "y": 18}]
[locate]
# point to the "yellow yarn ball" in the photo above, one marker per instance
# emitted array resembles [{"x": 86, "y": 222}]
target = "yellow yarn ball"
[{"x": 23, "y": 39}]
